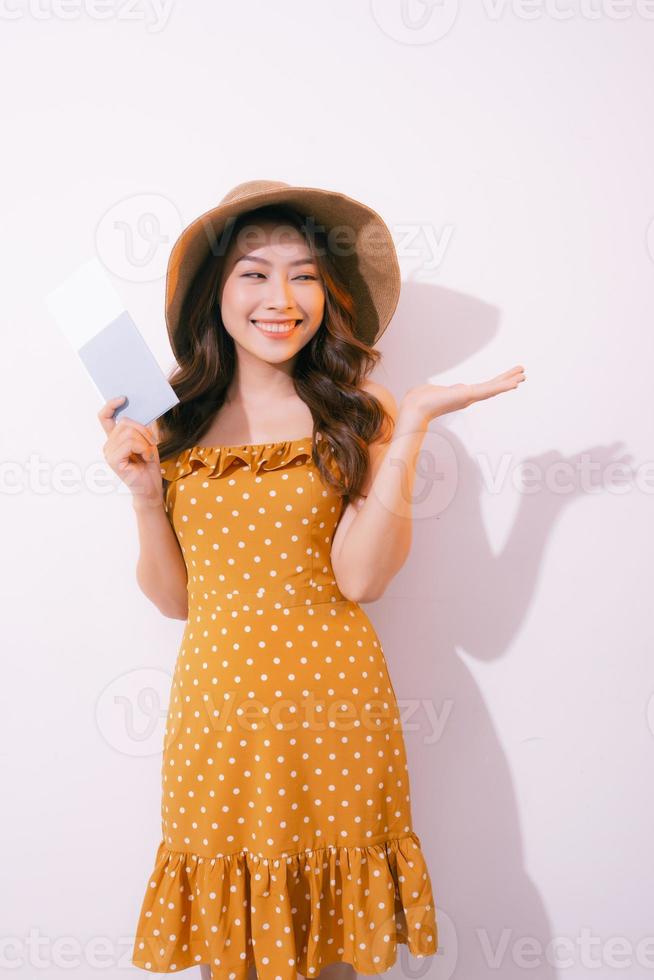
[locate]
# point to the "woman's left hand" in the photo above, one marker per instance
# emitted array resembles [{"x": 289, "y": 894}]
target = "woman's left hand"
[{"x": 426, "y": 402}]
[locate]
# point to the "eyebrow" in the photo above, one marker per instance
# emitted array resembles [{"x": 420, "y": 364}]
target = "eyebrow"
[{"x": 251, "y": 258}]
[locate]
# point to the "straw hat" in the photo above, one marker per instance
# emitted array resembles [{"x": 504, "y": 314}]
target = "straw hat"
[{"x": 360, "y": 243}]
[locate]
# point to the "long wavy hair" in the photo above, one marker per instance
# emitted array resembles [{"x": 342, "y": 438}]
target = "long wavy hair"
[{"x": 327, "y": 374}]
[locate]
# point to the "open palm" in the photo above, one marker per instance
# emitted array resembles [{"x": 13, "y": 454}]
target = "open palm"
[{"x": 429, "y": 401}]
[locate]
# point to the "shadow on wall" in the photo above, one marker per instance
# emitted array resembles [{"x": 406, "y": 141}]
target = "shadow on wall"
[{"x": 455, "y": 593}]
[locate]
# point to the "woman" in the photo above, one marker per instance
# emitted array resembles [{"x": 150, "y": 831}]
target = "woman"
[{"x": 287, "y": 837}]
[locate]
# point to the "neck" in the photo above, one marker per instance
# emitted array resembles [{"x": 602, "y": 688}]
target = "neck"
[{"x": 256, "y": 382}]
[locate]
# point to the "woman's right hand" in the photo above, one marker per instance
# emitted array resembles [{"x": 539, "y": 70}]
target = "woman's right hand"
[{"x": 131, "y": 451}]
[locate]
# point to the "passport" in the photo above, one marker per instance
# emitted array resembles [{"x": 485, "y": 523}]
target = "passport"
[{"x": 93, "y": 318}]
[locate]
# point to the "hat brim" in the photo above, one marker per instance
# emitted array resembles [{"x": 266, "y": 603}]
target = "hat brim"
[{"x": 366, "y": 252}]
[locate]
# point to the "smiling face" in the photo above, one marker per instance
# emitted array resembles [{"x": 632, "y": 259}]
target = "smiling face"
[{"x": 272, "y": 299}]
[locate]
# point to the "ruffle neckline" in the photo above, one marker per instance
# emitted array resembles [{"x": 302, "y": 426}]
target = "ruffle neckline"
[
  {"x": 259, "y": 456},
  {"x": 287, "y": 914}
]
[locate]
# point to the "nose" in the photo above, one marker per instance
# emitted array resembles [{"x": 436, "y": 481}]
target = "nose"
[{"x": 280, "y": 294}]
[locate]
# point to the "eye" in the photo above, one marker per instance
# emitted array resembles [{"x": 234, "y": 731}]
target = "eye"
[{"x": 304, "y": 275}]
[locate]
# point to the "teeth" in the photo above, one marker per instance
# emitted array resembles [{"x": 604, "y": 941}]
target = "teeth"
[{"x": 275, "y": 327}]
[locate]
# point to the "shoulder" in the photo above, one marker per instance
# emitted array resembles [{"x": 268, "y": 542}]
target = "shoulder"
[
  {"x": 382, "y": 394},
  {"x": 379, "y": 447},
  {"x": 376, "y": 450}
]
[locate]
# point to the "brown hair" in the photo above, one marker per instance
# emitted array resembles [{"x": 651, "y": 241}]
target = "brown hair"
[{"x": 327, "y": 374}]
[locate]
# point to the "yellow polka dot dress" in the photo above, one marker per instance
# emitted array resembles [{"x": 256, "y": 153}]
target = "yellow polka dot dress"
[{"x": 287, "y": 838}]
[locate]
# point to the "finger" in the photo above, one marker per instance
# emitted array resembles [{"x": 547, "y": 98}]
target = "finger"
[
  {"x": 139, "y": 447},
  {"x": 148, "y": 456},
  {"x": 487, "y": 389},
  {"x": 128, "y": 435},
  {"x": 509, "y": 375},
  {"x": 137, "y": 427},
  {"x": 106, "y": 413},
  {"x": 504, "y": 381},
  {"x": 491, "y": 388},
  {"x": 131, "y": 444}
]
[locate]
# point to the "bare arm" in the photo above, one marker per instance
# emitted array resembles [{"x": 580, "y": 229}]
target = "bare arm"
[
  {"x": 161, "y": 569},
  {"x": 373, "y": 537},
  {"x": 131, "y": 451}
]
